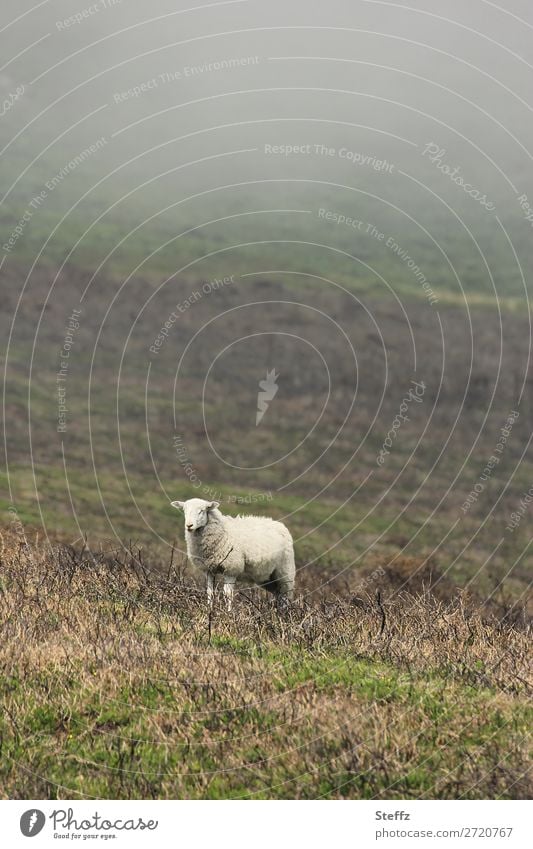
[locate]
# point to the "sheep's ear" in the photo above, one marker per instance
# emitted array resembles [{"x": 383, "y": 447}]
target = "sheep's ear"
[
  {"x": 177, "y": 504},
  {"x": 213, "y": 504}
]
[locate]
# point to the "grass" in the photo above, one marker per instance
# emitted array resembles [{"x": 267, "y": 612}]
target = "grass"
[
  {"x": 113, "y": 683},
  {"x": 414, "y": 500},
  {"x": 336, "y": 539},
  {"x": 114, "y": 686},
  {"x": 393, "y": 502}
]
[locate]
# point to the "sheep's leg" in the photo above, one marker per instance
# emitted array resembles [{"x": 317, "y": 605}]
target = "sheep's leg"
[
  {"x": 280, "y": 587},
  {"x": 285, "y": 589},
  {"x": 284, "y": 596},
  {"x": 210, "y": 590},
  {"x": 229, "y": 586}
]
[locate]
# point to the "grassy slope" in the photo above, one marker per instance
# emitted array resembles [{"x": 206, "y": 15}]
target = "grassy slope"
[
  {"x": 118, "y": 690},
  {"x": 360, "y": 279}
]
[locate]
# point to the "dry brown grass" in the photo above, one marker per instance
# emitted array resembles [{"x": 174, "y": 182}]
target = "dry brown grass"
[{"x": 115, "y": 684}]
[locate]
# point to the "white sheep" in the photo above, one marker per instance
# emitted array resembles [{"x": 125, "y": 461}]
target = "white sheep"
[{"x": 252, "y": 549}]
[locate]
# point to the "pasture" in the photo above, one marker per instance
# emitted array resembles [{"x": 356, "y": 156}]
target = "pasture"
[{"x": 117, "y": 684}]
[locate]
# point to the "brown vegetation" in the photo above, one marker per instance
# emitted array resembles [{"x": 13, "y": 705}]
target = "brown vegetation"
[{"x": 116, "y": 684}]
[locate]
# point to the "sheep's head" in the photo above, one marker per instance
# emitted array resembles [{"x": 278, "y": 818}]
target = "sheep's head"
[{"x": 196, "y": 512}]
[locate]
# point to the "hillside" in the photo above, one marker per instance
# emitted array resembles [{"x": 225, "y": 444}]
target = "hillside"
[
  {"x": 116, "y": 684},
  {"x": 362, "y": 178},
  {"x": 277, "y": 256},
  {"x": 144, "y": 426}
]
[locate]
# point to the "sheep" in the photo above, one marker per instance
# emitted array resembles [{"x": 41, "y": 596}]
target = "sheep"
[{"x": 252, "y": 549}]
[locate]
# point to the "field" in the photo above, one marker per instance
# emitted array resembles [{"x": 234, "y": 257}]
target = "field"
[
  {"x": 334, "y": 201},
  {"x": 400, "y": 672},
  {"x": 116, "y": 684},
  {"x": 139, "y": 434}
]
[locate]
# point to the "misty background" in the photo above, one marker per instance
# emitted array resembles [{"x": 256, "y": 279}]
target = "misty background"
[{"x": 376, "y": 78}]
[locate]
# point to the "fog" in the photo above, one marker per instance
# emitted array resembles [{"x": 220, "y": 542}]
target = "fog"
[{"x": 282, "y": 103}]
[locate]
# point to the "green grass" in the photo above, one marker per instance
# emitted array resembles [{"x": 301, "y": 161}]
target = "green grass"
[
  {"x": 107, "y": 747},
  {"x": 120, "y": 690}
]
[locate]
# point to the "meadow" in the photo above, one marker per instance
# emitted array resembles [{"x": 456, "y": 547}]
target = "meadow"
[
  {"x": 116, "y": 683},
  {"x": 140, "y": 433},
  {"x": 266, "y": 205}
]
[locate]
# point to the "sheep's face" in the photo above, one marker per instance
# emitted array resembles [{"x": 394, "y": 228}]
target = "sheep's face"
[{"x": 196, "y": 512}]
